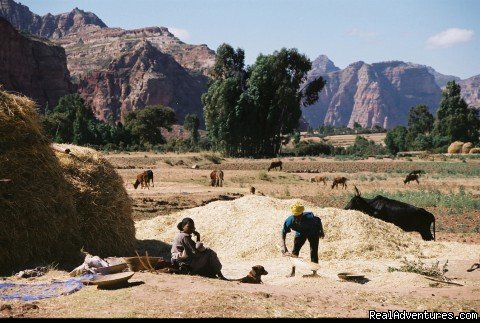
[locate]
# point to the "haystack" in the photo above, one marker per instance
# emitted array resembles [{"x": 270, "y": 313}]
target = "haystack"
[
  {"x": 475, "y": 151},
  {"x": 102, "y": 203},
  {"x": 38, "y": 222},
  {"x": 467, "y": 147},
  {"x": 455, "y": 147},
  {"x": 249, "y": 229}
]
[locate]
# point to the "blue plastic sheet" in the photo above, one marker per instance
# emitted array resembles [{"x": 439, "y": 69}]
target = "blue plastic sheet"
[{"x": 30, "y": 292}]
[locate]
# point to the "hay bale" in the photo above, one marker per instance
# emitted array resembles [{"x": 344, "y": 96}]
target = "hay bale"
[
  {"x": 102, "y": 203},
  {"x": 475, "y": 151},
  {"x": 455, "y": 147},
  {"x": 466, "y": 147},
  {"x": 249, "y": 229},
  {"x": 38, "y": 222}
]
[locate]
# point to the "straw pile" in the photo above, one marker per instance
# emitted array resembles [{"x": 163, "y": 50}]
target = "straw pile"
[
  {"x": 52, "y": 207},
  {"x": 455, "y": 147},
  {"x": 102, "y": 204},
  {"x": 475, "y": 151},
  {"x": 249, "y": 229},
  {"x": 37, "y": 214},
  {"x": 467, "y": 147}
]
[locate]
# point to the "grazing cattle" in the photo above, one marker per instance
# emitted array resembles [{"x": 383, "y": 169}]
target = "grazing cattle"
[
  {"x": 339, "y": 180},
  {"x": 216, "y": 178},
  {"x": 417, "y": 172},
  {"x": 150, "y": 177},
  {"x": 411, "y": 177},
  {"x": 405, "y": 216},
  {"x": 318, "y": 179},
  {"x": 142, "y": 179},
  {"x": 252, "y": 190},
  {"x": 275, "y": 164}
]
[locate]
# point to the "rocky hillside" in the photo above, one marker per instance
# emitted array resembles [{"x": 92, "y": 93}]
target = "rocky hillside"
[
  {"x": 373, "y": 94},
  {"x": 48, "y": 26},
  {"x": 104, "y": 62},
  {"x": 139, "y": 77},
  {"x": 33, "y": 67},
  {"x": 471, "y": 91}
]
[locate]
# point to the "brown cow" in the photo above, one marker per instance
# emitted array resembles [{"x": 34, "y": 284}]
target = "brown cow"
[
  {"x": 142, "y": 179},
  {"x": 339, "y": 180},
  {"x": 275, "y": 164},
  {"x": 318, "y": 179},
  {"x": 216, "y": 178},
  {"x": 411, "y": 177}
]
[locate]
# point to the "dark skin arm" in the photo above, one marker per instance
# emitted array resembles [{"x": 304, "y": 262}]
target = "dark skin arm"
[{"x": 282, "y": 242}]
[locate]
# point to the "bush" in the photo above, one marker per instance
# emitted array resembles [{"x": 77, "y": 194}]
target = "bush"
[
  {"x": 308, "y": 148},
  {"x": 418, "y": 267}
]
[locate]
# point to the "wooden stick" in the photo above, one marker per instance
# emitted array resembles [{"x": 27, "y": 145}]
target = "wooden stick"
[{"x": 442, "y": 281}]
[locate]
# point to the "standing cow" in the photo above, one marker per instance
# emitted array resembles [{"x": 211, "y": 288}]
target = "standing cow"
[
  {"x": 405, "y": 216},
  {"x": 150, "y": 176},
  {"x": 318, "y": 179},
  {"x": 216, "y": 178},
  {"x": 275, "y": 164},
  {"x": 339, "y": 180},
  {"x": 410, "y": 178}
]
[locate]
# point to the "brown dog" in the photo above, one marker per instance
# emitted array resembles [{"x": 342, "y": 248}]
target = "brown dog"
[{"x": 254, "y": 276}]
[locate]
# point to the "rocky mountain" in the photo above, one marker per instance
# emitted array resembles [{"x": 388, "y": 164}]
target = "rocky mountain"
[
  {"x": 139, "y": 77},
  {"x": 104, "y": 62},
  {"x": 471, "y": 91},
  {"x": 34, "y": 67},
  {"x": 48, "y": 26},
  {"x": 322, "y": 65},
  {"x": 373, "y": 94}
]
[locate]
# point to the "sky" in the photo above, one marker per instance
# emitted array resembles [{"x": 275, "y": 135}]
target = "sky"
[{"x": 443, "y": 34}]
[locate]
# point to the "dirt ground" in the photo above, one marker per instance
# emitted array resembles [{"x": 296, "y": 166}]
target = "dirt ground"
[{"x": 180, "y": 187}]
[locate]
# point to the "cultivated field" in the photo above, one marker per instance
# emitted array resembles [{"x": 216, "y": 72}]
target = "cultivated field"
[{"x": 244, "y": 230}]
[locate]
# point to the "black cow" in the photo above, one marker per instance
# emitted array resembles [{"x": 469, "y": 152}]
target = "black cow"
[
  {"x": 406, "y": 216},
  {"x": 150, "y": 177}
]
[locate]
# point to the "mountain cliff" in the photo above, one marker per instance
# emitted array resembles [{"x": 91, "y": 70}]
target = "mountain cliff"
[
  {"x": 373, "y": 94},
  {"x": 33, "y": 67}
]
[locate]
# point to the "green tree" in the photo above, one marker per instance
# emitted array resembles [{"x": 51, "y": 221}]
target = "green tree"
[
  {"x": 274, "y": 89},
  {"x": 455, "y": 119},
  {"x": 420, "y": 122},
  {"x": 251, "y": 111},
  {"x": 191, "y": 124},
  {"x": 68, "y": 121},
  {"x": 296, "y": 137},
  {"x": 146, "y": 124},
  {"x": 396, "y": 139}
]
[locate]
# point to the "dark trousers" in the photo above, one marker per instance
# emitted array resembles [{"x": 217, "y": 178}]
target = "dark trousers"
[{"x": 300, "y": 241}]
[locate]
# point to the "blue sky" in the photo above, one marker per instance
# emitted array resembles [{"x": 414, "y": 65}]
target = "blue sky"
[{"x": 444, "y": 34}]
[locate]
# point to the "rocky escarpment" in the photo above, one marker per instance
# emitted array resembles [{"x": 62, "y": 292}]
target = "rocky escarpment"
[
  {"x": 140, "y": 77},
  {"x": 48, "y": 26},
  {"x": 471, "y": 91},
  {"x": 373, "y": 94},
  {"x": 33, "y": 67}
]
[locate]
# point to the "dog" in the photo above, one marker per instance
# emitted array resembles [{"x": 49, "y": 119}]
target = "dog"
[{"x": 254, "y": 276}]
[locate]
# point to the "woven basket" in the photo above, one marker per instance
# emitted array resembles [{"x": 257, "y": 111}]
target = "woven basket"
[{"x": 142, "y": 263}]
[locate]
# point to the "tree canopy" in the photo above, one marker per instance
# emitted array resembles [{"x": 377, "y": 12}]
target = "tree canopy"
[{"x": 248, "y": 111}]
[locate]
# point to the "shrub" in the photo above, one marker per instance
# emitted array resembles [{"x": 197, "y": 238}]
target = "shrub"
[
  {"x": 309, "y": 148},
  {"x": 418, "y": 267}
]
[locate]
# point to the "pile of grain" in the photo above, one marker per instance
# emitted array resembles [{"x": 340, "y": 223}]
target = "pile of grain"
[
  {"x": 467, "y": 147},
  {"x": 52, "y": 207},
  {"x": 249, "y": 229},
  {"x": 37, "y": 214},
  {"x": 102, "y": 204},
  {"x": 455, "y": 147}
]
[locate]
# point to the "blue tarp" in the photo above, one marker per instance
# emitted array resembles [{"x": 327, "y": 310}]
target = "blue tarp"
[{"x": 30, "y": 292}]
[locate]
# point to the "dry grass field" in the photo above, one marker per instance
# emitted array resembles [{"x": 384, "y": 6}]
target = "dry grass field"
[{"x": 243, "y": 230}]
